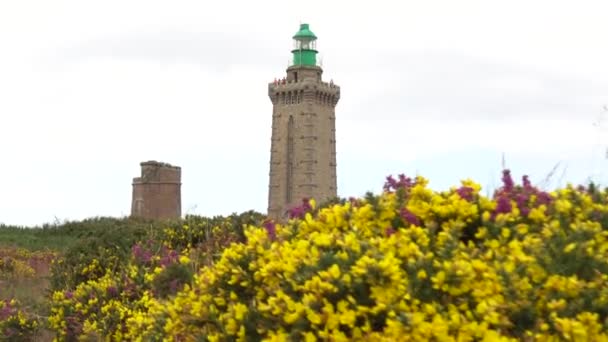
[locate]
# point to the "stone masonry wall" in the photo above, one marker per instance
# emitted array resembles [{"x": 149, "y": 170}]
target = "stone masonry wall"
[
  {"x": 303, "y": 145},
  {"x": 157, "y": 192}
]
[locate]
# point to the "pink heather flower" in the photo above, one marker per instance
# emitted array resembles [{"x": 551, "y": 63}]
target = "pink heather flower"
[
  {"x": 409, "y": 217},
  {"x": 389, "y": 231},
  {"x": 301, "y": 210},
  {"x": 112, "y": 291},
  {"x": 522, "y": 201},
  {"x": 465, "y": 192},
  {"x": 141, "y": 255},
  {"x": 390, "y": 183},
  {"x": 169, "y": 256},
  {"x": 393, "y": 185},
  {"x": 543, "y": 198},
  {"x": 526, "y": 183},
  {"x": 271, "y": 229},
  {"x": 507, "y": 181},
  {"x": 7, "y": 310},
  {"x": 503, "y": 205},
  {"x": 520, "y": 194}
]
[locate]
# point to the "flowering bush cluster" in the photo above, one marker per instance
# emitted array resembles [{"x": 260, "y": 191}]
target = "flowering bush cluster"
[
  {"x": 15, "y": 324},
  {"x": 410, "y": 264},
  {"x": 112, "y": 302}
]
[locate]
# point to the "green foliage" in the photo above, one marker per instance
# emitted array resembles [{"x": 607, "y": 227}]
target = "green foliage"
[
  {"x": 63, "y": 236},
  {"x": 171, "y": 279},
  {"x": 101, "y": 244}
]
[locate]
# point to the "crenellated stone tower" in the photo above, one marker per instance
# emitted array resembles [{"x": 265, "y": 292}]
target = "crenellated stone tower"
[
  {"x": 303, "y": 147},
  {"x": 157, "y": 192}
]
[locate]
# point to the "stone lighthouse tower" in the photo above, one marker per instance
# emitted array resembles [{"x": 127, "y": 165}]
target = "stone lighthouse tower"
[{"x": 303, "y": 147}]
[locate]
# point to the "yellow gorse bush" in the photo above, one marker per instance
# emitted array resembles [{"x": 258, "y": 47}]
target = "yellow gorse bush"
[{"x": 411, "y": 264}]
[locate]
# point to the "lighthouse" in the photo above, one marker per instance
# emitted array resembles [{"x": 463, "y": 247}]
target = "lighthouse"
[{"x": 303, "y": 143}]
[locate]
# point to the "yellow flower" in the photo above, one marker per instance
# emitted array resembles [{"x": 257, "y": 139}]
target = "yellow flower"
[
  {"x": 239, "y": 311},
  {"x": 563, "y": 206},
  {"x": 438, "y": 280},
  {"x": 522, "y": 229},
  {"x": 322, "y": 239},
  {"x": 334, "y": 271},
  {"x": 482, "y": 232},
  {"x": 313, "y": 317},
  {"x": 570, "y": 247},
  {"x": 538, "y": 214},
  {"x": 183, "y": 259},
  {"x": 312, "y": 203},
  {"x": 556, "y": 304},
  {"x": 310, "y": 337}
]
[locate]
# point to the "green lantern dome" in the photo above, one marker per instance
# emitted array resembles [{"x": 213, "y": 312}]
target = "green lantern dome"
[
  {"x": 305, "y": 32},
  {"x": 304, "y": 52}
]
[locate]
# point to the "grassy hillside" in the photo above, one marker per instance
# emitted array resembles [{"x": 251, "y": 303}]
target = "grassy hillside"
[
  {"x": 35, "y": 261},
  {"x": 61, "y": 237}
]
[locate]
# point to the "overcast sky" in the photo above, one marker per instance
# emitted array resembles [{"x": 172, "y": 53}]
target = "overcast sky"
[{"x": 88, "y": 90}]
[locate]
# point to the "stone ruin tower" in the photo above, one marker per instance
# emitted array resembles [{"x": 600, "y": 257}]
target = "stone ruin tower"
[
  {"x": 303, "y": 145},
  {"x": 157, "y": 192}
]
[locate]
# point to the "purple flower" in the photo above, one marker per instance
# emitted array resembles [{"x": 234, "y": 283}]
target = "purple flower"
[
  {"x": 296, "y": 212},
  {"x": 543, "y": 198},
  {"x": 301, "y": 210},
  {"x": 403, "y": 182},
  {"x": 522, "y": 201},
  {"x": 507, "y": 181},
  {"x": 520, "y": 194},
  {"x": 503, "y": 205},
  {"x": 112, "y": 291},
  {"x": 140, "y": 254},
  {"x": 465, "y": 192},
  {"x": 526, "y": 182},
  {"x": 68, "y": 294},
  {"x": 136, "y": 250},
  {"x": 409, "y": 217},
  {"x": 169, "y": 257},
  {"x": 389, "y": 231},
  {"x": 390, "y": 183},
  {"x": 271, "y": 229},
  {"x": 7, "y": 310}
]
